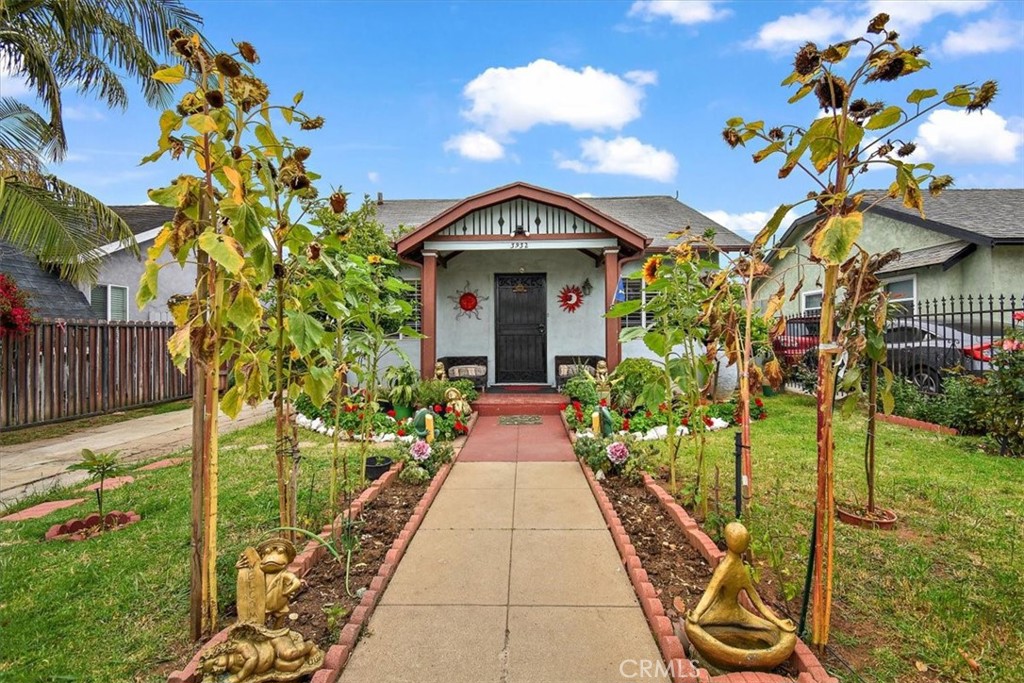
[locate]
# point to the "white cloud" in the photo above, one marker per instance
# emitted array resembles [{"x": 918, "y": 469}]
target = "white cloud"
[
  {"x": 750, "y": 223},
  {"x": 475, "y": 145},
  {"x": 679, "y": 11},
  {"x": 11, "y": 85},
  {"x": 373, "y": 177},
  {"x": 623, "y": 156},
  {"x": 982, "y": 137},
  {"x": 508, "y": 100},
  {"x": 583, "y": 195},
  {"x": 987, "y": 35},
  {"x": 73, "y": 113},
  {"x": 836, "y": 21}
]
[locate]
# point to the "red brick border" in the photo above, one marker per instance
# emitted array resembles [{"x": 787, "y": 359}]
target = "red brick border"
[
  {"x": 671, "y": 648},
  {"x": 77, "y": 529},
  {"x": 337, "y": 655},
  {"x": 916, "y": 424}
]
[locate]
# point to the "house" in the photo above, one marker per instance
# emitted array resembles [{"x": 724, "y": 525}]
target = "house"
[
  {"x": 518, "y": 278},
  {"x": 970, "y": 243},
  {"x": 113, "y": 296}
]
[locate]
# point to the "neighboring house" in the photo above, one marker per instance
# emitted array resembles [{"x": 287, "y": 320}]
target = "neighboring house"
[
  {"x": 521, "y": 275},
  {"x": 970, "y": 243},
  {"x": 113, "y": 296}
]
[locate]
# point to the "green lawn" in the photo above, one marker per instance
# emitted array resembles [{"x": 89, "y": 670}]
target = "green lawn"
[
  {"x": 114, "y": 608},
  {"x": 949, "y": 578}
]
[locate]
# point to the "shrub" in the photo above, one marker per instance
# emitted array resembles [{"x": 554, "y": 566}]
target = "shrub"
[
  {"x": 629, "y": 379},
  {"x": 1003, "y": 394},
  {"x": 15, "y": 314},
  {"x": 469, "y": 391},
  {"x": 581, "y": 388},
  {"x": 430, "y": 392}
]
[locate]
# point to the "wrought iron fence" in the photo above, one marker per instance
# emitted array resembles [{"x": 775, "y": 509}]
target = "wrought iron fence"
[{"x": 924, "y": 340}]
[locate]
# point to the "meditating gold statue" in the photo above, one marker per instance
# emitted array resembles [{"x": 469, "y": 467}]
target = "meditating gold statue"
[
  {"x": 723, "y": 632},
  {"x": 439, "y": 371},
  {"x": 456, "y": 403},
  {"x": 604, "y": 386},
  {"x": 259, "y": 648}
]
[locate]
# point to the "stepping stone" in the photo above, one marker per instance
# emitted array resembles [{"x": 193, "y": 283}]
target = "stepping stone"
[
  {"x": 259, "y": 447},
  {"x": 160, "y": 464},
  {"x": 307, "y": 444},
  {"x": 112, "y": 483},
  {"x": 232, "y": 447},
  {"x": 41, "y": 510}
]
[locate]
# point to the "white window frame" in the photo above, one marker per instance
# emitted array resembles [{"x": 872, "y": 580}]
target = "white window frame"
[
  {"x": 127, "y": 301},
  {"x": 642, "y": 311},
  {"x": 803, "y": 301},
  {"x": 913, "y": 288}
]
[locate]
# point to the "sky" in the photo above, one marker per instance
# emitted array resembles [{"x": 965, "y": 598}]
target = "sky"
[{"x": 448, "y": 99}]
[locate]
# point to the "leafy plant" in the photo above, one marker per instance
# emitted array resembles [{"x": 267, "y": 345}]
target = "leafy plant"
[
  {"x": 467, "y": 388},
  {"x": 401, "y": 381},
  {"x": 1004, "y": 393},
  {"x": 430, "y": 392},
  {"x": 629, "y": 379},
  {"x": 581, "y": 387},
  {"x": 15, "y": 312},
  {"x": 414, "y": 474},
  {"x": 100, "y": 466},
  {"x": 833, "y": 149}
]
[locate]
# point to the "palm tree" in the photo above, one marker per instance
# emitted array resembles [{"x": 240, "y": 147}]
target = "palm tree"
[{"x": 90, "y": 46}]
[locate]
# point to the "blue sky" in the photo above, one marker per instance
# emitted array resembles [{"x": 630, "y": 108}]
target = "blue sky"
[{"x": 606, "y": 98}]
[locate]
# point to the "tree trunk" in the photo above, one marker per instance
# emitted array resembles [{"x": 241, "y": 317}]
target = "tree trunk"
[
  {"x": 198, "y": 588},
  {"x": 869, "y": 455}
]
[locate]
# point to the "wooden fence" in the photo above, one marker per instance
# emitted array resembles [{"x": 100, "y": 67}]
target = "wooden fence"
[{"x": 64, "y": 370}]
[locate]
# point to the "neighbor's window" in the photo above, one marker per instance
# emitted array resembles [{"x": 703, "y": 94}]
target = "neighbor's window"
[
  {"x": 812, "y": 303},
  {"x": 634, "y": 290},
  {"x": 109, "y": 302},
  {"x": 902, "y": 294}
]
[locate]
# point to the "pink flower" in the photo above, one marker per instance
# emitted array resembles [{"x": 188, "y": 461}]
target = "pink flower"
[
  {"x": 617, "y": 452},
  {"x": 420, "y": 451},
  {"x": 1018, "y": 317},
  {"x": 1012, "y": 345}
]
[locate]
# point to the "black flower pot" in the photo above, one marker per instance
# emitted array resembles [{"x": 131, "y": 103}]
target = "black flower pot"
[{"x": 376, "y": 466}]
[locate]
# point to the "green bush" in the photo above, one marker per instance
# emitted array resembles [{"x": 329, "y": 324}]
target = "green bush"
[
  {"x": 1001, "y": 410},
  {"x": 581, "y": 388},
  {"x": 465, "y": 386},
  {"x": 629, "y": 379},
  {"x": 430, "y": 392}
]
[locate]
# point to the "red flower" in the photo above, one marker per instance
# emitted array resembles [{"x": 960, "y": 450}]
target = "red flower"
[
  {"x": 1018, "y": 317},
  {"x": 360, "y": 416},
  {"x": 763, "y": 416},
  {"x": 707, "y": 421},
  {"x": 459, "y": 427},
  {"x": 648, "y": 413},
  {"x": 562, "y": 407},
  {"x": 663, "y": 407},
  {"x": 625, "y": 424},
  {"x": 391, "y": 413},
  {"x": 603, "y": 403},
  {"x": 759, "y": 403},
  {"x": 686, "y": 422},
  {"x": 576, "y": 405},
  {"x": 438, "y": 409},
  {"x": 400, "y": 432}
]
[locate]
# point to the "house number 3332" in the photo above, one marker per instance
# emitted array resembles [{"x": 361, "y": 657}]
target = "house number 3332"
[{"x": 520, "y": 245}]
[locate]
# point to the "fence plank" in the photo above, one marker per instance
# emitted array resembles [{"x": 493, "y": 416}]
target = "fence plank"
[{"x": 63, "y": 370}]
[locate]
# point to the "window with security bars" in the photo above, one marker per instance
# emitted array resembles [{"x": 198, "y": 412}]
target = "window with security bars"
[
  {"x": 109, "y": 302},
  {"x": 634, "y": 290},
  {"x": 415, "y": 297}
]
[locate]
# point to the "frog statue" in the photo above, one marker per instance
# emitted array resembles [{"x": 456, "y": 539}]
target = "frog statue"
[{"x": 259, "y": 649}]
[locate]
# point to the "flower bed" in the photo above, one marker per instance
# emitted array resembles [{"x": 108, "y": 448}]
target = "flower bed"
[{"x": 314, "y": 555}]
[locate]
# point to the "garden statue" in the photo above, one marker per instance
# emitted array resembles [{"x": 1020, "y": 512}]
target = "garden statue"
[
  {"x": 456, "y": 403},
  {"x": 256, "y": 654},
  {"x": 264, "y": 584},
  {"x": 439, "y": 371},
  {"x": 604, "y": 386},
  {"x": 254, "y": 651},
  {"x": 727, "y": 635}
]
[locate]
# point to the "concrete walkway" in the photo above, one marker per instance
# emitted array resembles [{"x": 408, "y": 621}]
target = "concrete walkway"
[
  {"x": 41, "y": 465},
  {"x": 512, "y": 578},
  {"x": 491, "y": 441}
]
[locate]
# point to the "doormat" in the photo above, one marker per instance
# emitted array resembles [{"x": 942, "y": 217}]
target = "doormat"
[{"x": 519, "y": 420}]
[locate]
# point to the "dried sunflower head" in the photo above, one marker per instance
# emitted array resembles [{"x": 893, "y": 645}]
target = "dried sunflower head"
[
  {"x": 776, "y": 134},
  {"x": 190, "y": 103},
  {"x": 183, "y": 47},
  {"x": 339, "y": 202},
  {"x": 732, "y": 137},
  {"x": 215, "y": 98},
  {"x": 177, "y": 146},
  {"x": 889, "y": 70},
  {"x": 906, "y": 149},
  {"x": 983, "y": 96},
  {"x": 877, "y": 24},
  {"x": 248, "y": 91},
  {"x": 302, "y": 153},
  {"x": 236, "y": 152},
  {"x": 939, "y": 183},
  {"x": 312, "y": 124},
  {"x": 299, "y": 182},
  {"x": 807, "y": 59},
  {"x": 248, "y": 52},
  {"x": 175, "y": 35},
  {"x": 831, "y": 92},
  {"x": 227, "y": 66}
]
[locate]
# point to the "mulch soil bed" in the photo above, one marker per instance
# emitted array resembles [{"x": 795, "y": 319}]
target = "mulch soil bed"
[{"x": 323, "y": 605}]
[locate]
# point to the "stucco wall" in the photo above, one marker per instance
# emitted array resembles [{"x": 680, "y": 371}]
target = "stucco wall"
[{"x": 124, "y": 269}]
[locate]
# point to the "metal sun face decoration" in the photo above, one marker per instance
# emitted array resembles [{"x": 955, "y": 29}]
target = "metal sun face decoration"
[
  {"x": 467, "y": 302},
  {"x": 570, "y": 298}
]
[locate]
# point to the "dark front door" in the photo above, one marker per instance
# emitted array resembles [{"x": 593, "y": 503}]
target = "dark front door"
[{"x": 520, "y": 334}]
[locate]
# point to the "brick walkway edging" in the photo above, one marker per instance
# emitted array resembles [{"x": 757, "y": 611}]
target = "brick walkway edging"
[
  {"x": 337, "y": 655},
  {"x": 916, "y": 424},
  {"x": 672, "y": 651}
]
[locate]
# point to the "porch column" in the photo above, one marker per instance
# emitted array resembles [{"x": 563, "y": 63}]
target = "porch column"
[
  {"x": 611, "y": 325},
  {"x": 428, "y": 308}
]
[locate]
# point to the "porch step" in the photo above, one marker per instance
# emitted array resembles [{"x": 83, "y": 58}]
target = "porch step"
[{"x": 519, "y": 404}]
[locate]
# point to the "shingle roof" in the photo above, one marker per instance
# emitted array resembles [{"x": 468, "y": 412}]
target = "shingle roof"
[
  {"x": 49, "y": 296},
  {"x": 653, "y": 216},
  {"x": 143, "y": 217},
  {"x": 941, "y": 254},
  {"x": 990, "y": 216}
]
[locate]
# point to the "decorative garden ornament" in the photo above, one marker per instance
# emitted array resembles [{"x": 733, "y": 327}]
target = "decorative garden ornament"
[
  {"x": 601, "y": 379},
  {"x": 439, "y": 371},
  {"x": 727, "y": 635},
  {"x": 467, "y": 302},
  {"x": 456, "y": 403},
  {"x": 254, "y": 651},
  {"x": 570, "y": 298}
]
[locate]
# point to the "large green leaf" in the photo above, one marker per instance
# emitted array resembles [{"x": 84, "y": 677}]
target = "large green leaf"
[
  {"x": 223, "y": 249},
  {"x": 832, "y": 243},
  {"x": 885, "y": 118},
  {"x": 245, "y": 311},
  {"x": 304, "y": 331},
  {"x": 655, "y": 341},
  {"x": 624, "y": 308}
]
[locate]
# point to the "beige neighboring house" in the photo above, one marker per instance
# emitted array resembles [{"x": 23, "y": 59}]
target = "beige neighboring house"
[{"x": 970, "y": 243}]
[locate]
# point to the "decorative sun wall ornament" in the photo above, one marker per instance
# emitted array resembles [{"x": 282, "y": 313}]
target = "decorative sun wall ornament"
[
  {"x": 570, "y": 298},
  {"x": 467, "y": 302}
]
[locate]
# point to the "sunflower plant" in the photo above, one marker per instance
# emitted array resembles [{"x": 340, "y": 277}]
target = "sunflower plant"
[{"x": 849, "y": 135}]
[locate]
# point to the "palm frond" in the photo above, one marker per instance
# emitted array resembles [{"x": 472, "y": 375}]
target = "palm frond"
[
  {"x": 30, "y": 59},
  {"x": 22, "y": 129}
]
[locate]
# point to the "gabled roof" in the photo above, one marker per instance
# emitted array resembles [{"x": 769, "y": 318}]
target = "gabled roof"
[
  {"x": 980, "y": 217},
  {"x": 49, "y": 295},
  {"x": 144, "y": 220},
  {"x": 945, "y": 255},
  {"x": 652, "y": 217}
]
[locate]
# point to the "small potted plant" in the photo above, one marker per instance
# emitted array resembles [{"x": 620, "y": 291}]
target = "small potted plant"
[{"x": 402, "y": 381}]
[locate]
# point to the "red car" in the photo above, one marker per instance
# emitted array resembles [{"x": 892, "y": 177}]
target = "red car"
[{"x": 800, "y": 337}]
